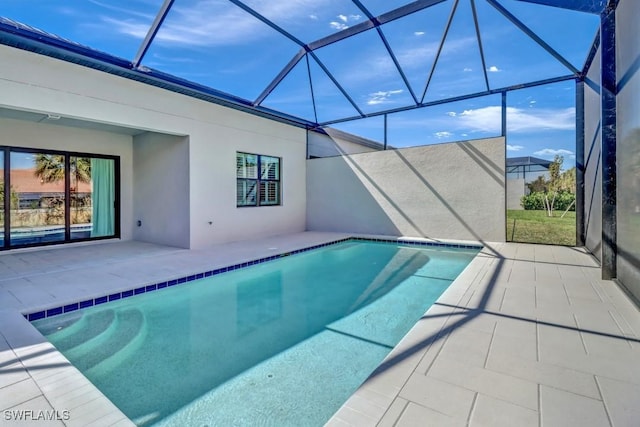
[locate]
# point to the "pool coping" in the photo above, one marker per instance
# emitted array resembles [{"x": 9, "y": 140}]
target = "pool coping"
[{"x": 46, "y": 312}]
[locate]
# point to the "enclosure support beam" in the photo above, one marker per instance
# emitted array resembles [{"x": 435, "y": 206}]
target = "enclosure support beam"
[
  {"x": 7, "y": 197},
  {"x": 533, "y": 36},
  {"x": 608, "y": 148},
  {"x": 504, "y": 115},
  {"x": 153, "y": 30},
  {"x": 385, "y": 131},
  {"x": 580, "y": 238}
]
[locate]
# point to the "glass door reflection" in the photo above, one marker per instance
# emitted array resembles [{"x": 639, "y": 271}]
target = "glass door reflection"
[{"x": 38, "y": 186}]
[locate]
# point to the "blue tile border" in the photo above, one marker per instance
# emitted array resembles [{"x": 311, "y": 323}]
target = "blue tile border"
[{"x": 168, "y": 283}]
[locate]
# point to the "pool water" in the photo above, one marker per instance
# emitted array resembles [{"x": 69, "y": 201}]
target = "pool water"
[{"x": 280, "y": 343}]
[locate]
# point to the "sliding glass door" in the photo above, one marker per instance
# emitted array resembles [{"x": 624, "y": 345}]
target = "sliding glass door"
[
  {"x": 57, "y": 197},
  {"x": 37, "y": 180}
]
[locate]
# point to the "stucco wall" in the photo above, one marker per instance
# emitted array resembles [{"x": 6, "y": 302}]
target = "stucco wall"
[
  {"x": 37, "y": 83},
  {"x": 21, "y": 133},
  {"x": 592, "y": 161},
  {"x": 449, "y": 191},
  {"x": 628, "y": 144},
  {"x": 333, "y": 144},
  {"x": 515, "y": 191},
  {"x": 161, "y": 186}
]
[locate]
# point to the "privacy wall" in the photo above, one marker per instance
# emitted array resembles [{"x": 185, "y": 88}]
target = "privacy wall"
[
  {"x": 31, "y": 82},
  {"x": 447, "y": 191},
  {"x": 333, "y": 142},
  {"x": 628, "y": 145}
]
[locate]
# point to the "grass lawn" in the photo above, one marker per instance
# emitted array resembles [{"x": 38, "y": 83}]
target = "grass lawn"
[{"x": 537, "y": 227}]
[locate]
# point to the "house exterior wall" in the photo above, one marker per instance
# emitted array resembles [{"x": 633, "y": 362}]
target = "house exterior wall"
[
  {"x": 628, "y": 145},
  {"x": 159, "y": 179},
  {"x": 20, "y": 133},
  {"x": 593, "y": 162},
  {"x": 33, "y": 82},
  {"x": 449, "y": 191}
]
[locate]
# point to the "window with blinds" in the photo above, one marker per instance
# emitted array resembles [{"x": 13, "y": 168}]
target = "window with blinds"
[{"x": 253, "y": 188}]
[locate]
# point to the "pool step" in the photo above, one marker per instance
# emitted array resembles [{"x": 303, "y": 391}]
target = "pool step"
[
  {"x": 82, "y": 329},
  {"x": 127, "y": 327}
]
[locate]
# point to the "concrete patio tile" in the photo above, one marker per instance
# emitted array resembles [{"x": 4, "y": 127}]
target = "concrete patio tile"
[
  {"x": 522, "y": 270},
  {"x": 573, "y": 273},
  {"x": 418, "y": 416},
  {"x": 491, "y": 412},
  {"x": 526, "y": 252},
  {"x": 440, "y": 396},
  {"x": 335, "y": 422},
  {"x": 621, "y": 400},
  {"x": 557, "y": 340},
  {"x": 70, "y": 382},
  {"x": 354, "y": 418},
  {"x": 468, "y": 346},
  {"x": 109, "y": 420},
  {"x": 18, "y": 393},
  {"x": 546, "y": 273},
  {"x": 372, "y": 397},
  {"x": 561, "y": 408},
  {"x": 489, "y": 298},
  {"x": 91, "y": 411},
  {"x": 617, "y": 367},
  {"x": 373, "y": 408},
  {"x": 544, "y": 373},
  {"x": 394, "y": 412},
  {"x": 525, "y": 347},
  {"x": 65, "y": 397},
  {"x": 430, "y": 355},
  {"x": 551, "y": 294},
  {"x": 623, "y": 324},
  {"x": 34, "y": 412},
  {"x": 9, "y": 300},
  {"x": 519, "y": 301},
  {"x": 495, "y": 384},
  {"x": 479, "y": 321},
  {"x": 11, "y": 374},
  {"x": 578, "y": 289}
]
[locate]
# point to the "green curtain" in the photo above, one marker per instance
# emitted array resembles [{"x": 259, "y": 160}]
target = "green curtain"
[{"x": 103, "y": 179}]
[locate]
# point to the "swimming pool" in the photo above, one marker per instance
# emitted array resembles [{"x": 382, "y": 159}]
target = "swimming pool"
[{"x": 285, "y": 342}]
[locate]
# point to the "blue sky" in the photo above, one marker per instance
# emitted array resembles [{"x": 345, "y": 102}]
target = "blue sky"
[{"x": 217, "y": 44}]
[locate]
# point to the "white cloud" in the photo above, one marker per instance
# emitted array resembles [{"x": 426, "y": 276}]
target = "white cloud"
[
  {"x": 452, "y": 114},
  {"x": 418, "y": 33},
  {"x": 355, "y": 17},
  {"x": 467, "y": 69},
  {"x": 343, "y": 18},
  {"x": 193, "y": 26},
  {"x": 338, "y": 25},
  {"x": 488, "y": 119},
  {"x": 493, "y": 69},
  {"x": 514, "y": 147},
  {"x": 382, "y": 97},
  {"x": 550, "y": 152},
  {"x": 443, "y": 134}
]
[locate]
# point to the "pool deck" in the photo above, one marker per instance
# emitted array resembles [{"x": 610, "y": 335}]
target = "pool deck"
[{"x": 526, "y": 335}]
